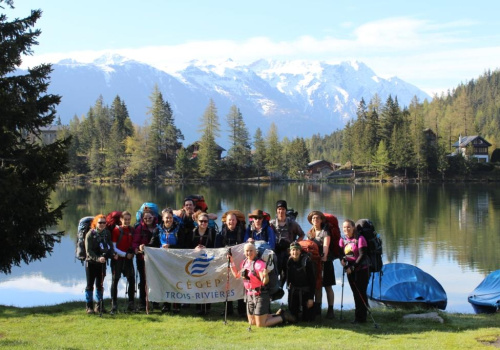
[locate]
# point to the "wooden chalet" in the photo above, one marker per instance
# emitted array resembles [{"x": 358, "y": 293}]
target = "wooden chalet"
[
  {"x": 479, "y": 147},
  {"x": 194, "y": 148},
  {"x": 319, "y": 169}
]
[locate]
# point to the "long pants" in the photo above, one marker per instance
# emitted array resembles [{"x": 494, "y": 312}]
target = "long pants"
[
  {"x": 141, "y": 268},
  {"x": 95, "y": 273},
  {"x": 358, "y": 280},
  {"x": 297, "y": 301},
  {"x": 124, "y": 267}
]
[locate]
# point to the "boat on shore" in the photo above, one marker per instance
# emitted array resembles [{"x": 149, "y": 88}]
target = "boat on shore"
[
  {"x": 405, "y": 286},
  {"x": 485, "y": 298}
]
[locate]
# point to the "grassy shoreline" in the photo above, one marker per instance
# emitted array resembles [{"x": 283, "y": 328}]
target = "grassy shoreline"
[{"x": 66, "y": 326}]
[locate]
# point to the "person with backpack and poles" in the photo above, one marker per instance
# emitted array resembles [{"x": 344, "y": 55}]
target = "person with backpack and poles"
[
  {"x": 99, "y": 249},
  {"x": 231, "y": 234},
  {"x": 143, "y": 234},
  {"x": 259, "y": 229},
  {"x": 123, "y": 263},
  {"x": 255, "y": 277},
  {"x": 353, "y": 250},
  {"x": 287, "y": 231},
  {"x": 320, "y": 233},
  {"x": 301, "y": 281}
]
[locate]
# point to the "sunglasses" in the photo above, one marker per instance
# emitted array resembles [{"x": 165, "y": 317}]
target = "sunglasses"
[
  {"x": 202, "y": 221},
  {"x": 101, "y": 222}
]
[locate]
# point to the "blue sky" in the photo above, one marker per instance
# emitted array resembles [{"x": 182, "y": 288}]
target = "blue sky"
[{"x": 434, "y": 45}]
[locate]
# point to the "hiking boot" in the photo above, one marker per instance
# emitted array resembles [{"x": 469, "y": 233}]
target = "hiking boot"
[
  {"x": 114, "y": 310},
  {"x": 165, "y": 308},
  {"x": 89, "y": 311},
  {"x": 286, "y": 316},
  {"x": 97, "y": 308},
  {"x": 329, "y": 314},
  {"x": 131, "y": 307}
]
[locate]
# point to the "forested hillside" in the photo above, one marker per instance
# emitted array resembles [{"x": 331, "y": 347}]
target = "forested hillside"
[{"x": 413, "y": 140}]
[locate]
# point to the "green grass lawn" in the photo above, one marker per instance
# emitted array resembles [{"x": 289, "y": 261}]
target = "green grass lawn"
[{"x": 66, "y": 326}]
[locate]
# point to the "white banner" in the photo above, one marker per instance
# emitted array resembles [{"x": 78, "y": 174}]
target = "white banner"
[{"x": 192, "y": 276}]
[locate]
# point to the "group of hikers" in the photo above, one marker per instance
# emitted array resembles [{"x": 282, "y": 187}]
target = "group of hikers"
[{"x": 304, "y": 260}]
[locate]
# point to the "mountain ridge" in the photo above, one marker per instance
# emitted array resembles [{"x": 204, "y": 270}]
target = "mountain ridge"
[{"x": 301, "y": 97}]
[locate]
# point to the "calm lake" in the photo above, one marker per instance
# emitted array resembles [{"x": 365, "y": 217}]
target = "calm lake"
[{"x": 450, "y": 231}]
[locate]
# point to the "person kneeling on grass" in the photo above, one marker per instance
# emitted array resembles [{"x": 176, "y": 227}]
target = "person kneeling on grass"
[{"x": 254, "y": 274}]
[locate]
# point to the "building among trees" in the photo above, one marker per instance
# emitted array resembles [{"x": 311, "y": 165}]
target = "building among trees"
[{"x": 472, "y": 146}]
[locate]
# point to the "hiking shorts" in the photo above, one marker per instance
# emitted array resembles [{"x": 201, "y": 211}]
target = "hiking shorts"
[
  {"x": 328, "y": 274},
  {"x": 258, "y": 305}
]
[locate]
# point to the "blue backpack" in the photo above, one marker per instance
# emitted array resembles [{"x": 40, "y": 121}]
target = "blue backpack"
[{"x": 152, "y": 206}]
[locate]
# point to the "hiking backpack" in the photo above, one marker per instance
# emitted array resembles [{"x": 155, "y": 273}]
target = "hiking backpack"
[
  {"x": 83, "y": 229},
  {"x": 113, "y": 219},
  {"x": 311, "y": 249},
  {"x": 365, "y": 228},
  {"x": 333, "y": 224},
  {"x": 153, "y": 207},
  {"x": 265, "y": 253}
]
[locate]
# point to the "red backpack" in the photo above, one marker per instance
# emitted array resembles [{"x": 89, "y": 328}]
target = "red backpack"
[
  {"x": 334, "y": 248},
  {"x": 311, "y": 248}
]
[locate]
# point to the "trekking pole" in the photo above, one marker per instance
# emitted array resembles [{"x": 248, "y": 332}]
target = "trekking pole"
[
  {"x": 101, "y": 302},
  {"x": 342, "y": 295},
  {"x": 367, "y": 307},
  {"x": 227, "y": 282}
]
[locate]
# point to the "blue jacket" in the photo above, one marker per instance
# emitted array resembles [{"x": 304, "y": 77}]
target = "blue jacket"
[{"x": 266, "y": 234}]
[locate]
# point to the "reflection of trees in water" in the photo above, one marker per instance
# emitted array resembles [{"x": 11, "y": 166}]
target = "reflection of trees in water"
[{"x": 454, "y": 221}]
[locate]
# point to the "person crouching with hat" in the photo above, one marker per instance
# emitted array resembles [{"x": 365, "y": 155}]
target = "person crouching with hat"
[
  {"x": 320, "y": 233},
  {"x": 301, "y": 281},
  {"x": 259, "y": 229}
]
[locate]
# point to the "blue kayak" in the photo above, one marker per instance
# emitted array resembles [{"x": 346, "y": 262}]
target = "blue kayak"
[
  {"x": 486, "y": 297},
  {"x": 404, "y": 285}
]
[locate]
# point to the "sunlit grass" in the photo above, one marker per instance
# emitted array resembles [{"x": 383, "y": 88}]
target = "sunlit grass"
[{"x": 66, "y": 326}]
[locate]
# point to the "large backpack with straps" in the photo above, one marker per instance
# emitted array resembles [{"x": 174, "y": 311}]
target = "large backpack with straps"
[
  {"x": 333, "y": 224},
  {"x": 152, "y": 206},
  {"x": 83, "y": 229},
  {"x": 365, "y": 228},
  {"x": 312, "y": 250},
  {"x": 265, "y": 253}
]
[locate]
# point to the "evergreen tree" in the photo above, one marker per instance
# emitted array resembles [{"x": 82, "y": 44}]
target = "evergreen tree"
[
  {"x": 348, "y": 141},
  {"x": 239, "y": 153},
  {"x": 274, "y": 164},
  {"x": 29, "y": 171},
  {"x": 207, "y": 154},
  {"x": 182, "y": 164},
  {"x": 259, "y": 156},
  {"x": 381, "y": 159},
  {"x": 298, "y": 158},
  {"x": 116, "y": 158},
  {"x": 142, "y": 154},
  {"x": 164, "y": 135}
]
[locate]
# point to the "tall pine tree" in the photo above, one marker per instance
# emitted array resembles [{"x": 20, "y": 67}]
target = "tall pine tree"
[{"x": 29, "y": 171}]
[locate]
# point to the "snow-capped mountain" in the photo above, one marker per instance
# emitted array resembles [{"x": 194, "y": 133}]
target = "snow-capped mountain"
[{"x": 302, "y": 98}]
